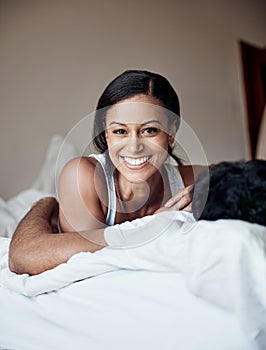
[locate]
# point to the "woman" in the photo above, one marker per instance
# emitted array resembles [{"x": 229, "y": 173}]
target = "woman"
[{"x": 135, "y": 124}]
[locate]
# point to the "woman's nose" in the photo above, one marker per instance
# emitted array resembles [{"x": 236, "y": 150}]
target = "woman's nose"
[{"x": 135, "y": 145}]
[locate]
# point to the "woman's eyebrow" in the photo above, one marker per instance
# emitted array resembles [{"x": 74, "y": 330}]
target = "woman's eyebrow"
[
  {"x": 117, "y": 123},
  {"x": 152, "y": 121},
  {"x": 145, "y": 123}
]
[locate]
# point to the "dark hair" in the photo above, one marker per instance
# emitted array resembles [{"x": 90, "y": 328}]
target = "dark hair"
[
  {"x": 237, "y": 190},
  {"x": 129, "y": 84}
]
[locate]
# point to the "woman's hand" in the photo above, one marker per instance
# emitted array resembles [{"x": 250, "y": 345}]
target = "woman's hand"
[{"x": 180, "y": 201}]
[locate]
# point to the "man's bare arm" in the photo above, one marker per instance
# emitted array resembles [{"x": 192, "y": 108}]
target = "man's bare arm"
[{"x": 35, "y": 247}]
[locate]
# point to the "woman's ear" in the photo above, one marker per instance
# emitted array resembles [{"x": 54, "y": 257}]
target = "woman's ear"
[
  {"x": 171, "y": 136},
  {"x": 106, "y": 136}
]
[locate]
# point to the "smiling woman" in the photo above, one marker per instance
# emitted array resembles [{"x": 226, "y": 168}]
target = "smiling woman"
[
  {"x": 135, "y": 124},
  {"x": 135, "y": 141}
]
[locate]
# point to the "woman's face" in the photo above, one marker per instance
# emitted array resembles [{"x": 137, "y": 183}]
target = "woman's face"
[{"x": 138, "y": 135}]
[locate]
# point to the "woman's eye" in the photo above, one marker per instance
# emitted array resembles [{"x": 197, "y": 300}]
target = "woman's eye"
[
  {"x": 119, "y": 131},
  {"x": 150, "y": 131}
]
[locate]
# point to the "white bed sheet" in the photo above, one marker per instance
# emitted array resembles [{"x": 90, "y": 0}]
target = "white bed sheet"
[
  {"x": 107, "y": 298},
  {"x": 118, "y": 310}
]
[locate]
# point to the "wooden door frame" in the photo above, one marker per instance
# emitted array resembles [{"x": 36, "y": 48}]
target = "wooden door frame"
[{"x": 254, "y": 74}]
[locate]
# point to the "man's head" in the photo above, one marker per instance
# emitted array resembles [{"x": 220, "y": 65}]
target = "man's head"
[{"x": 236, "y": 190}]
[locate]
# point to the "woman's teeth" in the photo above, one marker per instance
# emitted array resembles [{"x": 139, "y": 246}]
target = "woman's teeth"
[{"x": 136, "y": 161}]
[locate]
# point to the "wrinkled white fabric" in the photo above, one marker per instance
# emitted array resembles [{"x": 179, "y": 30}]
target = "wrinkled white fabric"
[
  {"x": 13, "y": 210},
  {"x": 223, "y": 262}
]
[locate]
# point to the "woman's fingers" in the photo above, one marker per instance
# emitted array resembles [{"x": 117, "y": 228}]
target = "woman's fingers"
[
  {"x": 188, "y": 208},
  {"x": 181, "y": 200},
  {"x": 160, "y": 210}
]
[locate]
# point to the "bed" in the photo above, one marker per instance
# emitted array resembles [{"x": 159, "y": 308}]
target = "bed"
[
  {"x": 208, "y": 292},
  {"x": 118, "y": 310}
]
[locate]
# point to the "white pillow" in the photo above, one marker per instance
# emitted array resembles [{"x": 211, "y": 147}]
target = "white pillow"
[{"x": 59, "y": 152}]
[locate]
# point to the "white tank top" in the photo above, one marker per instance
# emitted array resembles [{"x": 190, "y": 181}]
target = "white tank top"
[{"x": 174, "y": 178}]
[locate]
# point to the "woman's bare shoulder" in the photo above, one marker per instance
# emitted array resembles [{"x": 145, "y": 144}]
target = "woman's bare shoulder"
[
  {"x": 82, "y": 194},
  {"x": 190, "y": 172},
  {"x": 82, "y": 170},
  {"x": 84, "y": 174},
  {"x": 82, "y": 164}
]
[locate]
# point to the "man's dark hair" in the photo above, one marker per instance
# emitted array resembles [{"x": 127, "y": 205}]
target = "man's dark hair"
[{"x": 236, "y": 190}]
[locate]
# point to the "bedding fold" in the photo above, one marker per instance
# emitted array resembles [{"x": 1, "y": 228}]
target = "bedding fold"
[{"x": 223, "y": 262}]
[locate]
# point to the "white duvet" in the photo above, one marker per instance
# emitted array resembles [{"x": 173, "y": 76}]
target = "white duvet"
[
  {"x": 222, "y": 262},
  {"x": 161, "y": 295}
]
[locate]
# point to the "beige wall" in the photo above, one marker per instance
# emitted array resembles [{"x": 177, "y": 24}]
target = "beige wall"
[{"x": 57, "y": 56}]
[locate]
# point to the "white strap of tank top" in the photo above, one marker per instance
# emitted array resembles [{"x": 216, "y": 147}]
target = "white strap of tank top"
[{"x": 141, "y": 231}]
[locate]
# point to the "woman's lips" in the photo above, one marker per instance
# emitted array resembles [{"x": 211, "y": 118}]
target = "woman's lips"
[{"x": 136, "y": 163}]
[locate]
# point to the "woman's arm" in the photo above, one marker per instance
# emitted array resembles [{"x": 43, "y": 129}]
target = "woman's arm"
[
  {"x": 35, "y": 247},
  {"x": 82, "y": 195},
  {"x": 182, "y": 199}
]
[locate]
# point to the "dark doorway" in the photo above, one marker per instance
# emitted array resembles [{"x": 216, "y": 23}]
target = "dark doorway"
[{"x": 254, "y": 72}]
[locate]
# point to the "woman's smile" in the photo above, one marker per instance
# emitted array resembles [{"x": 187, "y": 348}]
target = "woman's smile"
[{"x": 136, "y": 162}]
